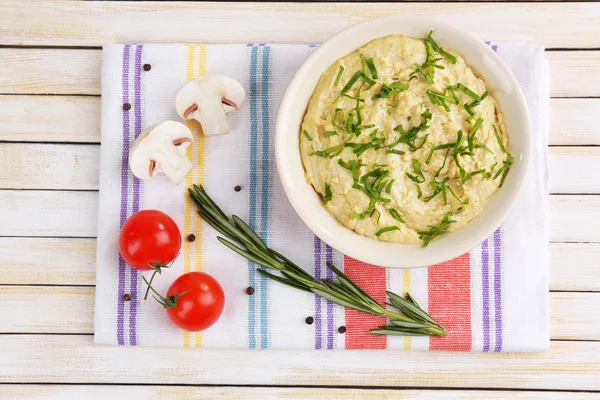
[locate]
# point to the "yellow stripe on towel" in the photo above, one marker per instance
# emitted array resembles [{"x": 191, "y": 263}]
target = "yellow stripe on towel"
[{"x": 196, "y": 66}]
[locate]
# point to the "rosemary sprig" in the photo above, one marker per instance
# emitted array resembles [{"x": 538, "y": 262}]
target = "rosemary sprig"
[{"x": 409, "y": 320}]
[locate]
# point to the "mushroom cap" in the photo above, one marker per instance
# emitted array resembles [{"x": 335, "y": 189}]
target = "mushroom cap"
[
  {"x": 157, "y": 138},
  {"x": 220, "y": 88}
]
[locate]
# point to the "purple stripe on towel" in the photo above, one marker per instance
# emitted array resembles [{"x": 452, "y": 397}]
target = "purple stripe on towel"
[
  {"x": 124, "y": 183},
  {"x": 485, "y": 294},
  {"x": 318, "y": 329},
  {"x": 498, "y": 287},
  {"x": 330, "y": 327},
  {"x": 137, "y": 117}
]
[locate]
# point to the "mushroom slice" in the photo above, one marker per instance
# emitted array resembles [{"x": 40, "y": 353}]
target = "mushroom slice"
[
  {"x": 161, "y": 148},
  {"x": 208, "y": 99}
]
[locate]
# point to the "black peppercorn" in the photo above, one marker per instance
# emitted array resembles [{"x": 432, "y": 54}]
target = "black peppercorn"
[
  {"x": 237, "y": 188},
  {"x": 342, "y": 329},
  {"x": 126, "y": 106},
  {"x": 191, "y": 237},
  {"x": 250, "y": 290},
  {"x": 147, "y": 67},
  {"x": 126, "y": 297},
  {"x": 309, "y": 320}
]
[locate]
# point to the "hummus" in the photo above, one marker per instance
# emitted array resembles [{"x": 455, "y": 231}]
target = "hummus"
[{"x": 403, "y": 141}]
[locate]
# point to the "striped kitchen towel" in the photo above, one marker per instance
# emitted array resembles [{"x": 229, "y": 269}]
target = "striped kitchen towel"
[{"x": 494, "y": 298}]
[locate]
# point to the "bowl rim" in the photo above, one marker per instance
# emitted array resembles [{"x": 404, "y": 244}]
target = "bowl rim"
[{"x": 288, "y": 182}]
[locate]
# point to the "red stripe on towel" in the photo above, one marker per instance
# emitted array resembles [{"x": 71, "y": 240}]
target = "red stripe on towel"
[
  {"x": 450, "y": 303},
  {"x": 373, "y": 280}
]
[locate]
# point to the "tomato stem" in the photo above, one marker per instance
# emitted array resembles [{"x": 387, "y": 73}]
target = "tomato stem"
[
  {"x": 166, "y": 302},
  {"x": 157, "y": 267}
]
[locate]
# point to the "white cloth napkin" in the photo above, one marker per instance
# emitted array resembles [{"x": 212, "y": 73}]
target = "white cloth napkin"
[{"x": 494, "y": 298}]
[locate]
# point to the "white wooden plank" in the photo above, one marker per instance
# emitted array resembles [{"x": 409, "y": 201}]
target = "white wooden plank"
[
  {"x": 49, "y": 261},
  {"x": 59, "y": 213},
  {"x": 573, "y": 122},
  {"x": 575, "y": 266},
  {"x": 96, "y": 23},
  {"x": 116, "y": 392},
  {"x": 47, "y": 309},
  {"x": 49, "y": 166},
  {"x": 575, "y": 316},
  {"x": 67, "y": 309},
  {"x": 75, "y": 359},
  {"x": 77, "y": 71},
  {"x": 574, "y": 170},
  {"x": 76, "y": 167},
  {"x": 50, "y": 119},
  {"x": 572, "y": 218},
  {"x": 565, "y": 66},
  {"x": 43, "y": 71},
  {"x": 54, "y": 213},
  {"x": 77, "y": 119},
  {"x": 68, "y": 261}
]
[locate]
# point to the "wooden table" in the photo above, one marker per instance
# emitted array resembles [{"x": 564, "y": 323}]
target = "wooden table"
[{"x": 50, "y": 61}]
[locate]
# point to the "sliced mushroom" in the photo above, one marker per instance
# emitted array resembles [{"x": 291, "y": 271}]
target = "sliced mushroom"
[
  {"x": 208, "y": 99},
  {"x": 161, "y": 148}
]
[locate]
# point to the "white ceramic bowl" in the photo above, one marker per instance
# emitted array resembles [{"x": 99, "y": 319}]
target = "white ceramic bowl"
[{"x": 499, "y": 81}]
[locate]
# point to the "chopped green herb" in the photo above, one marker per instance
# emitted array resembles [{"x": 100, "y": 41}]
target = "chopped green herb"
[
  {"x": 419, "y": 193},
  {"x": 343, "y": 164},
  {"x": 339, "y": 75},
  {"x": 468, "y": 109},
  {"x": 461, "y": 170},
  {"x": 419, "y": 177},
  {"x": 330, "y": 133},
  {"x": 357, "y": 75},
  {"x": 438, "y": 99},
  {"x": 354, "y": 169},
  {"x": 372, "y": 68},
  {"x": 480, "y": 145},
  {"x": 388, "y": 188},
  {"x": 443, "y": 164},
  {"x": 378, "y": 214},
  {"x": 452, "y": 99},
  {"x": 435, "y": 231},
  {"x": 437, "y": 48},
  {"x": 506, "y": 164},
  {"x": 353, "y": 97},
  {"x": 409, "y": 118},
  {"x": 471, "y": 138},
  {"x": 438, "y": 187},
  {"x": 468, "y": 92},
  {"x": 358, "y": 115},
  {"x": 330, "y": 152},
  {"x": 424, "y": 72},
  {"x": 472, "y": 174},
  {"x": 439, "y": 147},
  {"x": 396, "y": 215},
  {"x": 339, "y": 112},
  {"x": 392, "y": 89},
  {"x": 350, "y": 124},
  {"x": 368, "y": 126},
  {"x": 456, "y": 197},
  {"x": 327, "y": 197},
  {"x": 307, "y": 135},
  {"x": 364, "y": 64},
  {"x": 398, "y": 152},
  {"x": 502, "y": 147},
  {"x": 386, "y": 229},
  {"x": 475, "y": 103}
]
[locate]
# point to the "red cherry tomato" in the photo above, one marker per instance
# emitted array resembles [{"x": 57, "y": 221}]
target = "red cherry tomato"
[
  {"x": 201, "y": 306},
  {"x": 148, "y": 238}
]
